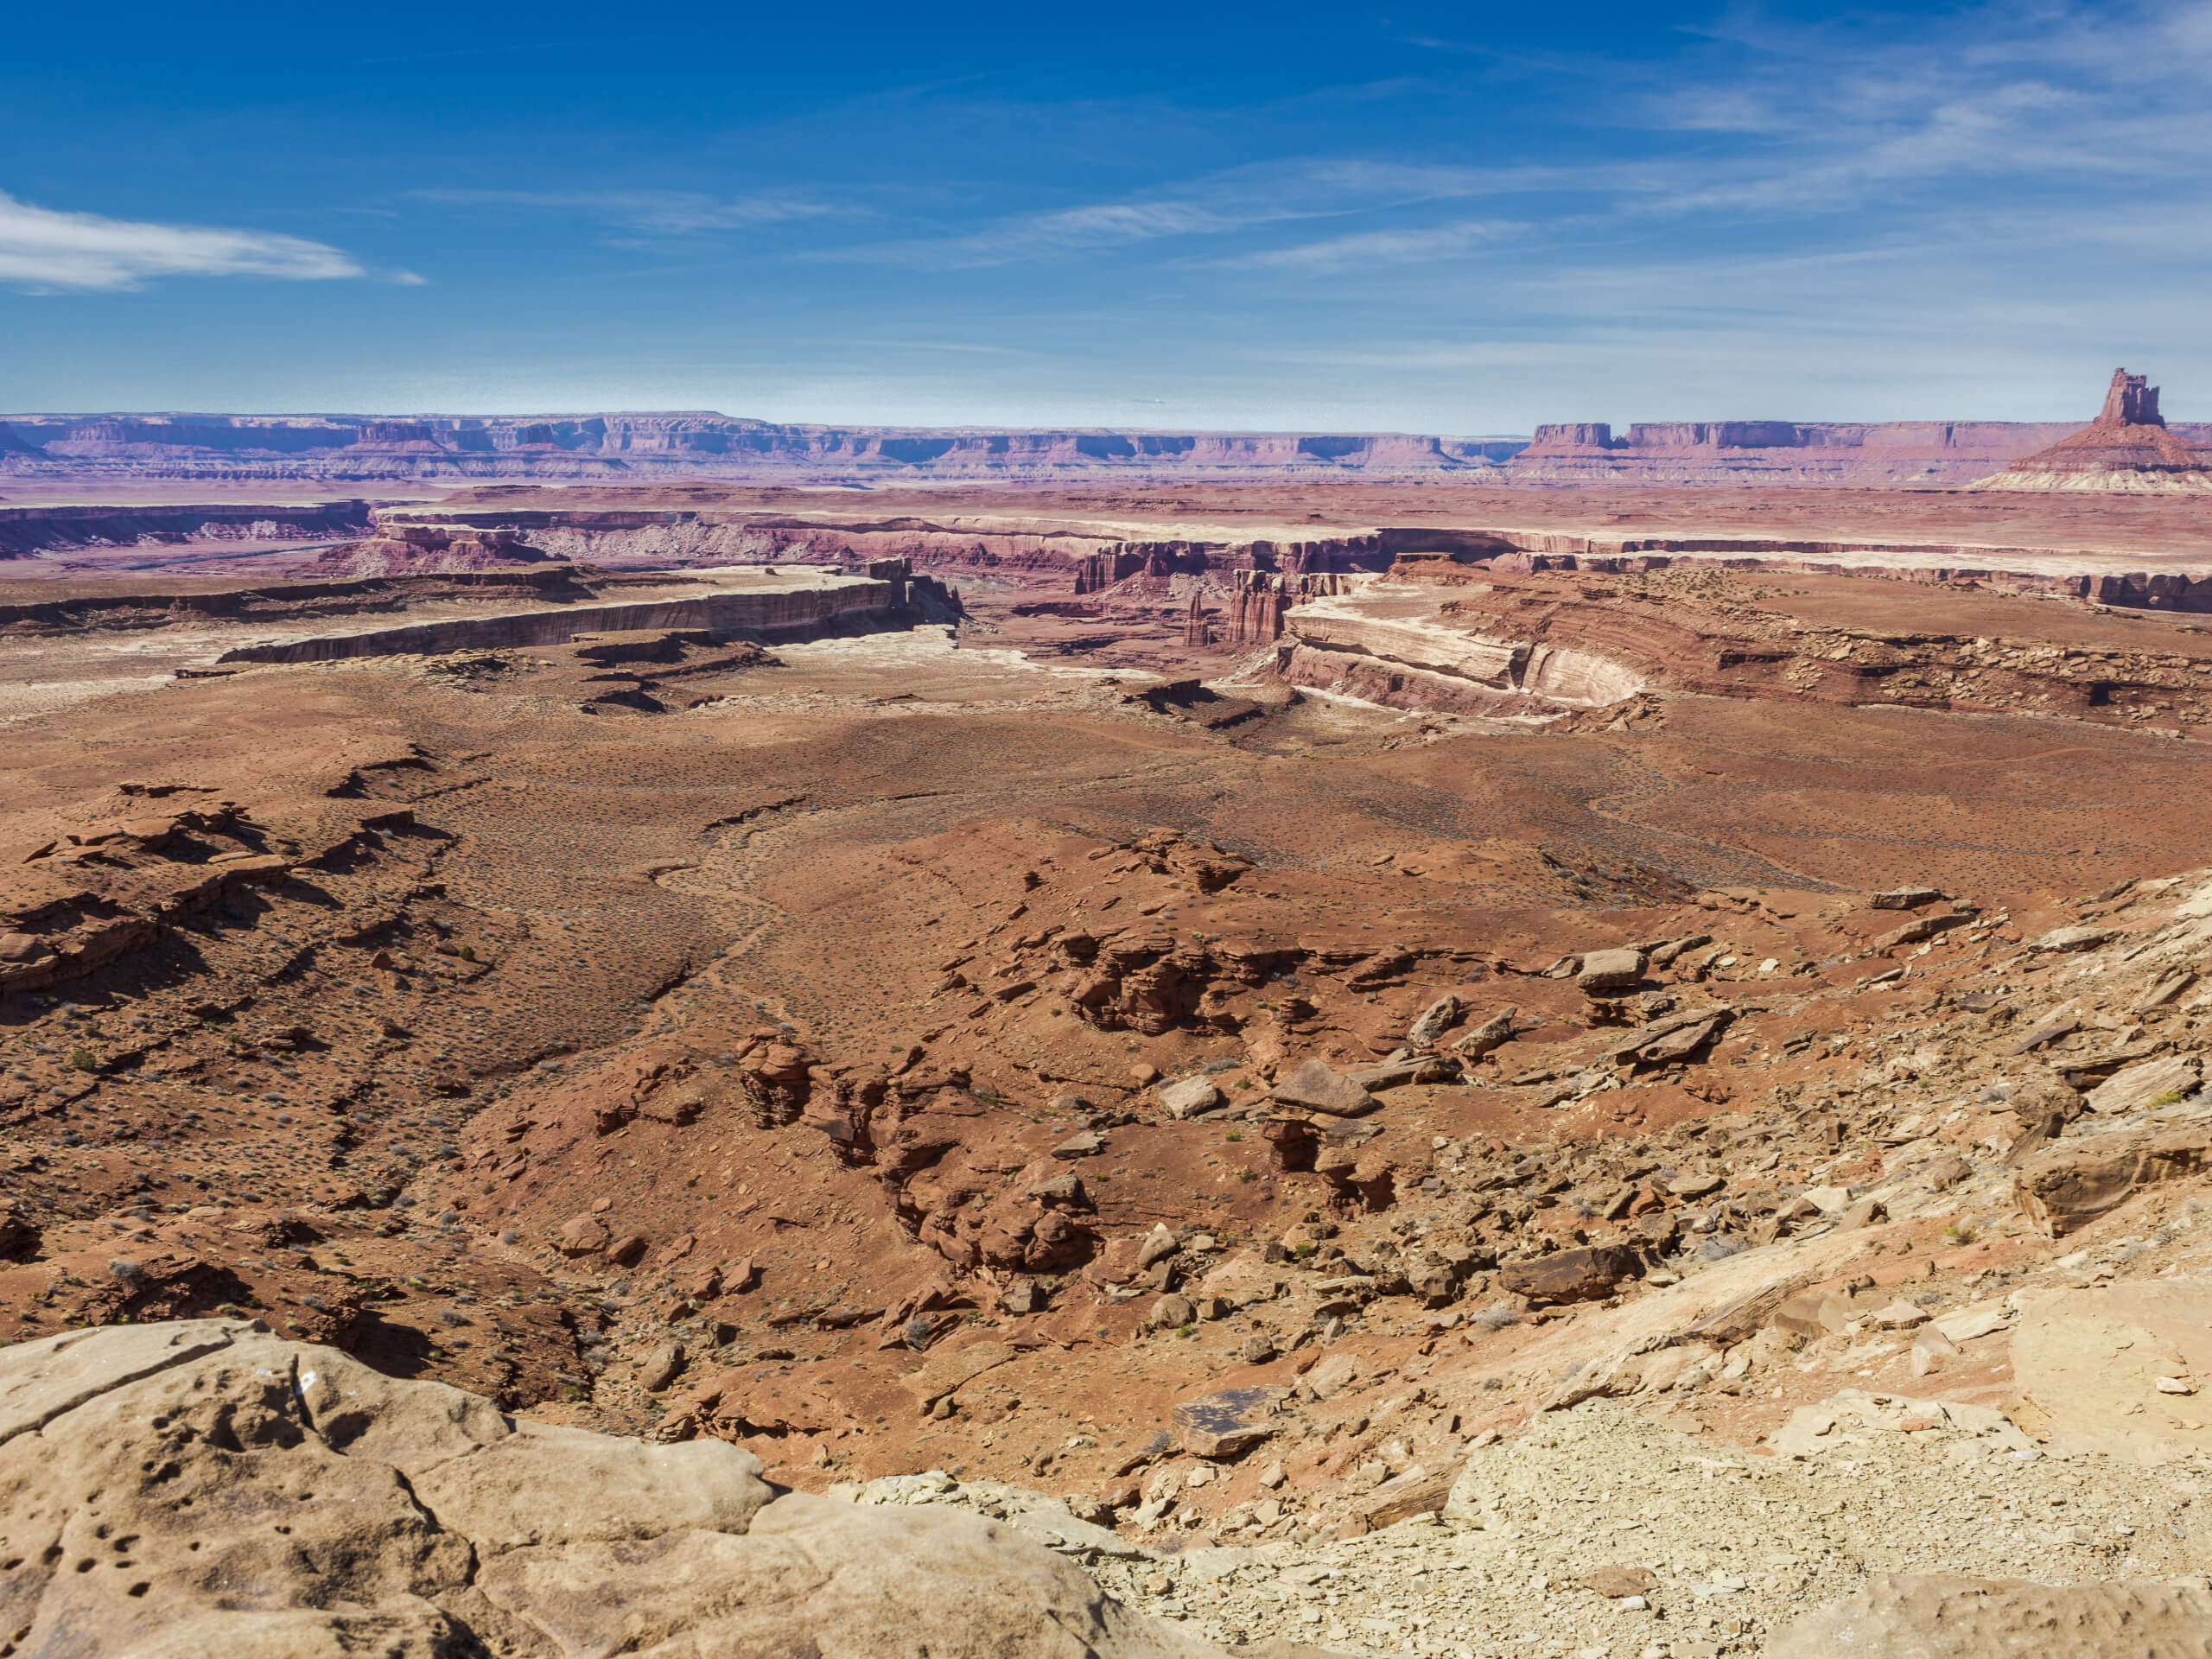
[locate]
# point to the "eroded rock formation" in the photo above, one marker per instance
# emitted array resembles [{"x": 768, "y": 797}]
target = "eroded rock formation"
[
  {"x": 429, "y": 550},
  {"x": 28, "y": 530},
  {"x": 2127, "y": 449}
]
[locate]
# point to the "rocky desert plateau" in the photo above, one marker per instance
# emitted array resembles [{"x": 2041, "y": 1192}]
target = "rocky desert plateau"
[{"x": 1105, "y": 1044}]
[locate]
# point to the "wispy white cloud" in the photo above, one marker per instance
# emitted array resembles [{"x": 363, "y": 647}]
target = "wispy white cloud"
[
  {"x": 42, "y": 248},
  {"x": 1871, "y": 129},
  {"x": 1240, "y": 199},
  {"x": 1367, "y": 250},
  {"x": 650, "y": 213},
  {"x": 2046, "y": 100}
]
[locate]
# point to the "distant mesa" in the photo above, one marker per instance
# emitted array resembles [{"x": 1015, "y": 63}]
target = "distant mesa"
[
  {"x": 678, "y": 446},
  {"x": 1880, "y": 454},
  {"x": 2127, "y": 450},
  {"x": 655, "y": 447}
]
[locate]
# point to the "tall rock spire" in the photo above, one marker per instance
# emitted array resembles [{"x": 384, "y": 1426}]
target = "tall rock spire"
[{"x": 2131, "y": 401}]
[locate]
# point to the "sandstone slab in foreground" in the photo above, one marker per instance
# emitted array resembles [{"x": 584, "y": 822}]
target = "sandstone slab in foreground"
[
  {"x": 203, "y": 1489},
  {"x": 1906, "y": 1616}
]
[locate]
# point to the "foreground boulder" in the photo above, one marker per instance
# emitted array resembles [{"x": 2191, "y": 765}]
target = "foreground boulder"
[
  {"x": 1316, "y": 1088},
  {"x": 203, "y": 1489},
  {"x": 2115, "y": 1369},
  {"x": 1904, "y": 1616},
  {"x": 2069, "y": 1184},
  {"x": 1604, "y": 971},
  {"x": 1581, "y": 1276}
]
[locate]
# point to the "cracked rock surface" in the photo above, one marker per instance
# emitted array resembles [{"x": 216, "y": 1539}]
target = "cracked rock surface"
[{"x": 204, "y": 1487}]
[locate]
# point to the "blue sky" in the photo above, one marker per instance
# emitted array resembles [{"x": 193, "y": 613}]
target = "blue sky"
[{"x": 1462, "y": 218}]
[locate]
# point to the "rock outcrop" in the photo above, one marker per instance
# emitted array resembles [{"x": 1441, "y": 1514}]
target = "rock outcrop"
[
  {"x": 1909, "y": 1617},
  {"x": 26, "y": 531},
  {"x": 807, "y": 607},
  {"x": 1489, "y": 640},
  {"x": 1387, "y": 647},
  {"x": 205, "y": 1488},
  {"x": 427, "y": 549},
  {"x": 2128, "y": 449}
]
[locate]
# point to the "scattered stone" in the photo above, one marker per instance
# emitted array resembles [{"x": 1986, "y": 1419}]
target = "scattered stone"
[
  {"x": 1580, "y": 1276},
  {"x": 2060, "y": 939},
  {"x": 1903, "y": 898},
  {"x": 1494, "y": 1033},
  {"x": 1396, "y": 1074},
  {"x": 1188, "y": 1097},
  {"x": 1434, "y": 1020},
  {"x": 2069, "y": 1184},
  {"x": 662, "y": 1367},
  {"x": 1171, "y": 1312},
  {"x": 1333, "y": 1375},
  {"x": 2171, "y": 1078},
  {"x": 1930, "y": 1348},
  {"x": 1158, "y": 1246},
  {"x": 1228, "y": 1424},
  {"x": 583, "y": 1236},
  {"x": 1611, "y": 970},
  {"x": 1315, "y": 1088}
]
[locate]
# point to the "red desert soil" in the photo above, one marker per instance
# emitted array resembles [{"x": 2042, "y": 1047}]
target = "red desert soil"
[{"x": 700, "y": 1041}]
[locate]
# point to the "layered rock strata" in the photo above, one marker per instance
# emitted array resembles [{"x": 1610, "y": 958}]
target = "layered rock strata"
[
  {"x": 117, "y": 608},
  {"x": 1385, "y": 646},
  {"x": 427, "y": 550},
  {"x": 28, "y": 531},
  {"x": 690, "y": 444},
  {"x": 1094, "y": 555},
  {"x": 681, "y": 445},
  {"x": 1927, "y": 453},
  {"x": 1558, "y": 641},
  {"x": 829, "y": 605}
]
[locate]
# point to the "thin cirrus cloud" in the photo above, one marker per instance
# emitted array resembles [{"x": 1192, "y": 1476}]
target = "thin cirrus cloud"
[
  {"x": 1365, "y": 249},
  {"x": 648, "y": 213},
  {"x": 1241, "y": 199},
  {"x": 47, "y": 249}
]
